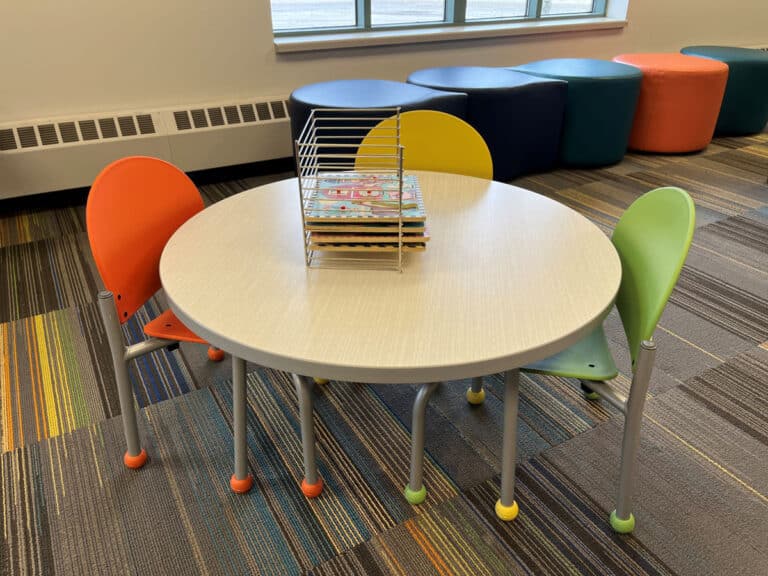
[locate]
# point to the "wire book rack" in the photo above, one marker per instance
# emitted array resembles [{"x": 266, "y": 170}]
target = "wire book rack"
[{"x": 358, "y": 210}]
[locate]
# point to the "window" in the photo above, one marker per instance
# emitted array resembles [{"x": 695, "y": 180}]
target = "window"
[{"x": 296, "y": 17}]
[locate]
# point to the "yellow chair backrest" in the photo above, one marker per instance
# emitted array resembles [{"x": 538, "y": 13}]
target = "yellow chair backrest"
[{"x": 432, "y": 140}]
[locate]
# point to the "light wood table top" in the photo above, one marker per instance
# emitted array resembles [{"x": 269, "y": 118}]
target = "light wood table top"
[{"x": 509, "y": 277}]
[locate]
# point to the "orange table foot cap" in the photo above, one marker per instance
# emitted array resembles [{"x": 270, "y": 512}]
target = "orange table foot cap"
[
  {"x": 215, "y": 355},
  {"x": 312, "y": 490},
  {"x": 241, "y": 486},
  {"x": 137, "y": 461}
]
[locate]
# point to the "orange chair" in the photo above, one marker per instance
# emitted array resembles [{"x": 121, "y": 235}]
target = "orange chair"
[
  {"x": 680, "y": 98},
  {"x": 133, "y": 208}
]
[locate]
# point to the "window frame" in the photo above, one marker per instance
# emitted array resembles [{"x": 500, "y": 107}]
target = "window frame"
[{"x": 455, "y": 16}]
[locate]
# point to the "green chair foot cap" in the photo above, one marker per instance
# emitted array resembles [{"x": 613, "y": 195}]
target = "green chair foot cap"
[
  {"x": 415, "y": 496},
  {"x": 622, "y": 526},
  {"x": 475, "y": 398},
  {"x": 591, "y": 395},
  {"x": 507, "y": 513}
]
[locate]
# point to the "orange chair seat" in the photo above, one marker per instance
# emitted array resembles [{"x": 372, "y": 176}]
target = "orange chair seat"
[
  {"x": 680, "y": 98},
  {"x": 169, "y": 327}
]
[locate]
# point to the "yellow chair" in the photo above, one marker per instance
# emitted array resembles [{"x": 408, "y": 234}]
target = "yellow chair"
[{"x": 433, "y": 141}]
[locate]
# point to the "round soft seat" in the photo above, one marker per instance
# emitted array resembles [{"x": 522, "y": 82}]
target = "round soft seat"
[
  {"x": 745, "y": 104},
  {"x": 602, "y": 97},
  {"x": 362, "y": 93},
  {"x": 519, "y": 116},
  {"x": 679, "y": 102}
]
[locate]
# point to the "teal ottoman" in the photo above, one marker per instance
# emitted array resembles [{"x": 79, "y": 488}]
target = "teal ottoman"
[
  {"x": 600, "y": 106},
  {"x": 745, "y": 104}
]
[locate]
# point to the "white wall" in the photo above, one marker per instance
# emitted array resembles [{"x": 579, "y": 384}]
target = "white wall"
[{"x": 83, "y": 56}]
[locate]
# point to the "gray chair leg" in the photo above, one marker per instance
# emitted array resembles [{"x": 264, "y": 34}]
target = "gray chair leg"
[
  {"x": 622, "y": 519},
  {"x": 135, "y": 456},
  {"x": 415, "y": 492},
  {"x": 241, "y": 481},
  {"x": 506, "y": 507},
  {"x": 312, "y": 484},
  {"x": 476, "y": 394}
]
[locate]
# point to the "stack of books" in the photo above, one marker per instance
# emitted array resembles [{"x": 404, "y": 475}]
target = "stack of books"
[{"x": 362, "y": 212}]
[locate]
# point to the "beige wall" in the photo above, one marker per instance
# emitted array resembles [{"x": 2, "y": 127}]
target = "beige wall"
[{"x": 84, "y": 56}]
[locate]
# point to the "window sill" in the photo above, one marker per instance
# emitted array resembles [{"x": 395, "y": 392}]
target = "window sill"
[{"x": 439, "y": 34}]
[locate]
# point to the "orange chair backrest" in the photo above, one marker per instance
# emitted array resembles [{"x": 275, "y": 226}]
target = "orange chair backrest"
[{"x": 133, "y": 208}]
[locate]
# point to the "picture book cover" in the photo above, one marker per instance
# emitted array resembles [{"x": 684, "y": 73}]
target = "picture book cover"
[{"x": 357, "y": 197}]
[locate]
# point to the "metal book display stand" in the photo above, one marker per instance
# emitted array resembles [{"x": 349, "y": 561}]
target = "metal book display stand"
[{"x": 358, "y": 209}]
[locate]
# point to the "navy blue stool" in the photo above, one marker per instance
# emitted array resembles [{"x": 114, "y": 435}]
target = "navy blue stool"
[
  {"x": 519, "y": 116},
  {"x": 369, "y": 94}
]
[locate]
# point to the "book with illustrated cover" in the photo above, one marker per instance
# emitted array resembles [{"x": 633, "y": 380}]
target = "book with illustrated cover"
[{"x": 362, "y": 197}]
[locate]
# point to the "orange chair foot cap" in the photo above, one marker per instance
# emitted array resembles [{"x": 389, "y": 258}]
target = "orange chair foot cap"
[
  {"x": 241, "y": 486},
  {"x": 507, "y": 513},
  {"x": 215, "y": 355},
  {"x": 135, "y": 462},
  {"x": 312, "y": 490}
]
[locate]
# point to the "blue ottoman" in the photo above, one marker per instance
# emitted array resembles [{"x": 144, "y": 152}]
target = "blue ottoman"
[
  {"x": 745, "y": 105},
  {"x": 602, "y": 97},
  {"x": 369, "y": 94},
  {"x": 519, "y": 116}
]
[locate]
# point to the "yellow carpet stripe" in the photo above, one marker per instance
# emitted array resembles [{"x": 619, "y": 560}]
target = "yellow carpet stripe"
[
  {"x": 699, "y": 348},
  {"x": 32, "y": 380},
  {"x": 708, "y": 459},
  {"x": 51, "y": 401},
  {"x": 5, "y": 385}
]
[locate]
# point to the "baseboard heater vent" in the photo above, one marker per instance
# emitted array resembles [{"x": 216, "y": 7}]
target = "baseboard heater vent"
[{"x": 63, "y": 153}]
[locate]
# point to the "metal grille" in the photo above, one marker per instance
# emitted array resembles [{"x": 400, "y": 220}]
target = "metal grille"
[
  {"x": 232, "y": 116},
  {"x": 48, "y": 134},
  {"x": 127, "y": 127},
  {"x": 7, "y": 140},
  {"x": 199, "y": 119},
  {"x": 68, "y": 132},
  {"x": 182, "y": 120},
  {"x": 217, "y": 118},
  {"x": 27, "y": 136},
  {"x": 278, "y": 109},
  {"x": 146, "y": 126},
  {"x": 88, "y": 130},
  {"x": 248, "y": 114},
  {"x": 108, "y": 127},
  {"x": 262, "y": 108}
]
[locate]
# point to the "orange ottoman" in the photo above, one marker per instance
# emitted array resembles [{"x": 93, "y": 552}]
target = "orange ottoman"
[{"x": 680, "y": 99}]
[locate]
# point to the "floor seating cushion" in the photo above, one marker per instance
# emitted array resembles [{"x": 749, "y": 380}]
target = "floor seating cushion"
[
  {"x": 519, "y": 116},
  {"x": 363, "y": 93},
  {"x": 602, "y": 97},
  {"x": 745, "y": 104},
  {"x": 679, "y": 102}
]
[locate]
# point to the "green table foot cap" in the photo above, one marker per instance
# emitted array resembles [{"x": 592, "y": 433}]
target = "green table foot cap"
[
  {"x": 475, "y": 398},
  {"x": 507, "y": 513},
  {"x": 591, "y": 395},
  {"x": 415, "y": 496},
  {"x": 622, "y": 526}
]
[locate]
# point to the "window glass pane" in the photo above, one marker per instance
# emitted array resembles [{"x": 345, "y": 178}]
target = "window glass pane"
[
  {"x": 550, "y": 7},
  {"x": 481, "y": 9},
  {"x": 298, "y": 14},
  {"x": 385, "y": 12}
]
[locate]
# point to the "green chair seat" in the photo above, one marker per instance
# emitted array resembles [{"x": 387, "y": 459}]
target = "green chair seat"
[{"x": 588, "y": 359}]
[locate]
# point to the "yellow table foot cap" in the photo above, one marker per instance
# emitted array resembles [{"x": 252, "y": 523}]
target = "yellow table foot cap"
[
  {"x": 242, "y": 485},
  {"x": 321, "y": 381},
  {"x": 312, "y": 490},
  {"x": 135, "y": 462},
  {"x": 475, "y": 398},
  {"x": 507, "y": 513}
]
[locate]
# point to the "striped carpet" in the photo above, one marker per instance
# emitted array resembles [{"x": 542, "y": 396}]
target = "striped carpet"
[{"x": 70, "y": 507}]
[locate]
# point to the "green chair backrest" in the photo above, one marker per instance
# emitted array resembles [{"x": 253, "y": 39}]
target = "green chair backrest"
[
  {"x": 652, "y": 239},
  {"x": 431, "y": 140}
]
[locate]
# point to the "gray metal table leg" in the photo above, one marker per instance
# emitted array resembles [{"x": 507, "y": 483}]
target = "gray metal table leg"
[
  {"x": 506, "y": 507},
  {"x": 415, "y": 492},
  {"x": 241, "y": 481},
  {"x": 312, "y": 484}
]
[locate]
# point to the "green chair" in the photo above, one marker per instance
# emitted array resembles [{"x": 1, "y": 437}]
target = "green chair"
[{"x": 652, "y": 239}]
